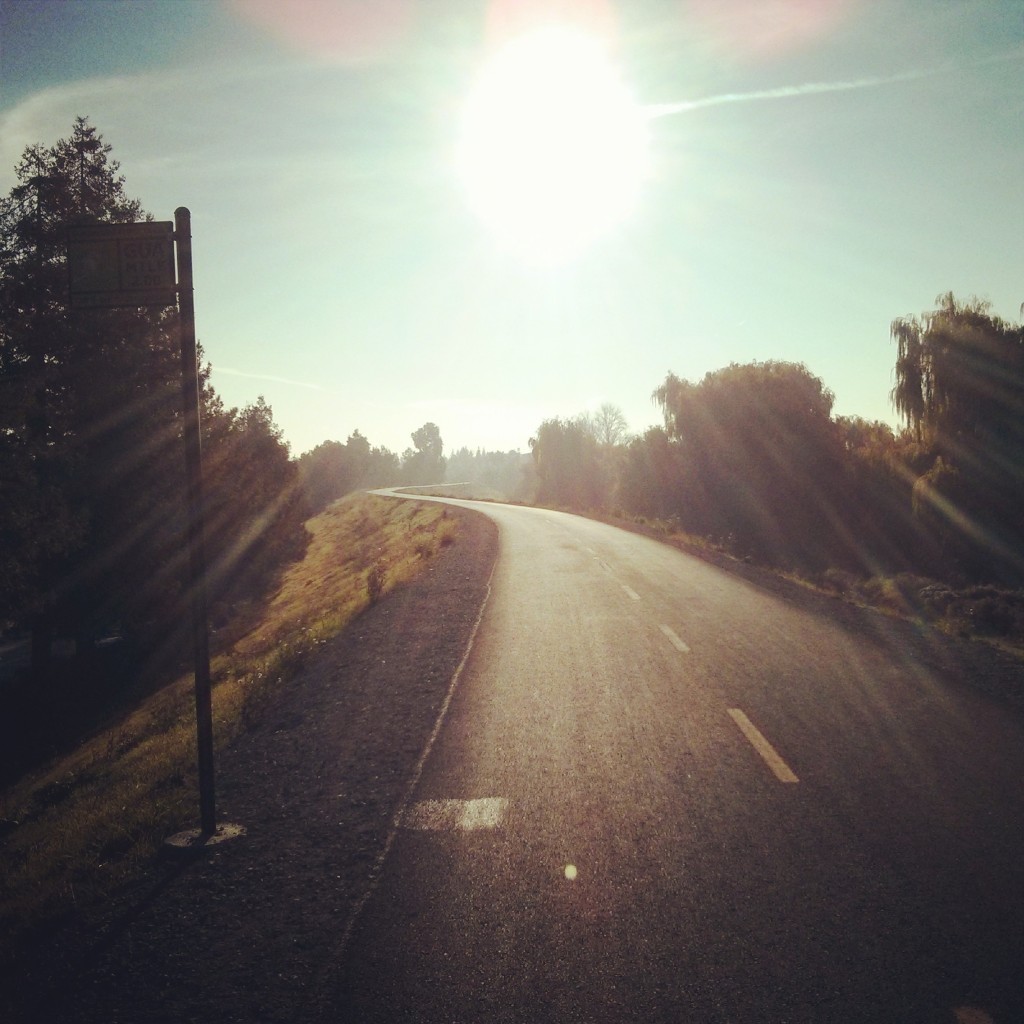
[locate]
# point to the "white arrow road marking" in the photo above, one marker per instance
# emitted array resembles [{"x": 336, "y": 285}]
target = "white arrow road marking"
[
  {"x": 782, "y": 770},
  {"x": 456, "y": 815},
  {"x": 675, "y": 641}
]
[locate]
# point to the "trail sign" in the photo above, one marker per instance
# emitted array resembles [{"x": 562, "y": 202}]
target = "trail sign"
[
  {"x": 122, "y": 264},
  {"x": 136, "y": 265}
]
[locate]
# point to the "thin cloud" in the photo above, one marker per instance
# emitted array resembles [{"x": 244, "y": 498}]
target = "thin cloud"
[
  {"x": 232, "y": 372},
  {"x": 817, "y": 88}
]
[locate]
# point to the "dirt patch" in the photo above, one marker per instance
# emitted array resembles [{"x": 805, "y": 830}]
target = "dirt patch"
[{"x": 245, "y": 932}]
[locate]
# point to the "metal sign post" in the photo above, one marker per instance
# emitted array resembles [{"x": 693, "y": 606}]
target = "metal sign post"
[{"x": 196, "y": 540}]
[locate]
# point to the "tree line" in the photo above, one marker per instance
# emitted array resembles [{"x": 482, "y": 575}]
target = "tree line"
[
  {"x": 332, "y": 469},
  {"x": 752, "y": 458}
]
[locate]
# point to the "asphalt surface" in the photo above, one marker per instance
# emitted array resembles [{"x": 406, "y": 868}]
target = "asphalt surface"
[{"x": 661, "y": 793}]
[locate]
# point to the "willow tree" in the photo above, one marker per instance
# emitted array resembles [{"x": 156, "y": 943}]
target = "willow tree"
[
  {"x": 960, "y": 386},
  {"x": 912, "y": 381},
  {"x": 959, "y": 374}
]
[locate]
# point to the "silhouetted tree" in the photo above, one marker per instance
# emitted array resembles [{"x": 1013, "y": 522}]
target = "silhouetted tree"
[
  {"x": 91, "y": 460},
  {"x": 499, "y": 471},
  {"x": 255, "y": 507},
  {"x": 567, "y": 465},
  {"x": 652, "y": 476},
  {"x": 91, "y": 402},
  {"x": 322, "y": 472},
  {"x": 960, "y": 386},
  {"x": 332, "y": 470},
  {"x": 425, "y": 463},
  {"x": 761, "y": 460},
  {"x": 881, "y": 468},
  {"x": 384, "y": 468},
  {"x": 609, "y": 426}
]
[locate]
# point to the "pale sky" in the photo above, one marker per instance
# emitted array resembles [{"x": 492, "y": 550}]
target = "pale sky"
[{"x": 813, "y": 169}]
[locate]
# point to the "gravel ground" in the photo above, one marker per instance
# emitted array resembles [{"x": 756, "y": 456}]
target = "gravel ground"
[{"x": 247, "y": 931}]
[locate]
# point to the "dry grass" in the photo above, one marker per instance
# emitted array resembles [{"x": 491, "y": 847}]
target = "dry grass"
[
  {"x": 72, "y": 831},
  {"x": 469, "y": 492},
  {"x": 983, "y": 612}
]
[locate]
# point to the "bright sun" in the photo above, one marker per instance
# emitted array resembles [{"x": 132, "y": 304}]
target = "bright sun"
[{"x": 552, "y": 149}]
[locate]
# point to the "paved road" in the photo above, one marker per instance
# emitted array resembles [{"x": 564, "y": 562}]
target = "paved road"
[{"x": 662, "y": 794}]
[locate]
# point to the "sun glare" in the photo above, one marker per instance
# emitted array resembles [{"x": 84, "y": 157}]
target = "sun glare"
[{"x": 552, "y": 149}]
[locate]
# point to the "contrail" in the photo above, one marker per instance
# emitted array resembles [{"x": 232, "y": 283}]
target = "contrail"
[
  {"x": 815, "y": 88},
  {"x": 782, "y": 92}
]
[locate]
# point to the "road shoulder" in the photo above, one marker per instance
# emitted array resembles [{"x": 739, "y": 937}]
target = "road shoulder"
[{"x": 243, "y": 933}]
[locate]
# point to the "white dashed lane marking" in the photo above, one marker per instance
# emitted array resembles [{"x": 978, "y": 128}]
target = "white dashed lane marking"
[
  {"x": 630, "y": 592},
  {"x": 771, "y": 757},
  {"x": 674, "y": 640},
  {"x": 456, "y": 815}
]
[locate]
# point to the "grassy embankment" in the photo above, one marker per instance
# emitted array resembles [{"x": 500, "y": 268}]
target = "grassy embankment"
[
  {"x": 74, "y": 830},
  {"x": 980, "y": 611}
]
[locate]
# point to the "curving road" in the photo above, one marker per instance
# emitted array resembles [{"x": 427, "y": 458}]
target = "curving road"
[{"x": 662, "y": 794}]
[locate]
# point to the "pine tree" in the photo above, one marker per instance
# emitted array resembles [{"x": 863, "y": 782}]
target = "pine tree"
[{"x": 90, "y": 411}]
